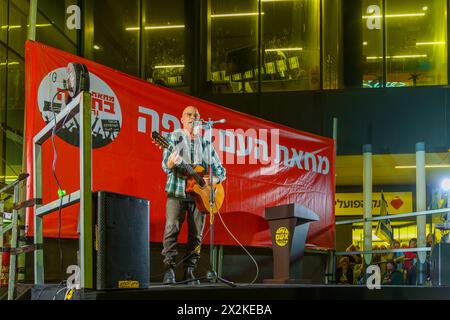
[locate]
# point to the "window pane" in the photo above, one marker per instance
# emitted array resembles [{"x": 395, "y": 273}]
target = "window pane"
[
  {"x": 55, "y": 11},
  {"x": 332, "y": 37},
  {"x": 15, "y": 113},
  {"x": 50, "y": 34},
  {"x": 2, "y": 79},
  {"x": 2, "y": 105},
  {"x": 234, "y": 36},
  {"x": 164, "y": 34},
  {"x": 291, "y": 45},
  {"x": 372, "y": 43},
  {"x": 116, "y": 34},
  {"x": 416, "y": 42},
  {"x": 3, "y": 19},
  {"x": 18, "y": 20}
]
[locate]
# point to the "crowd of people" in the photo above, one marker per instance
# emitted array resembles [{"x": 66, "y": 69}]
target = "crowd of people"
[{"x": 397, "y": 268}]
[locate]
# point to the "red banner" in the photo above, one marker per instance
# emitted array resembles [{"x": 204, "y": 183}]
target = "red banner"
[{"x": 267, "y": 164}]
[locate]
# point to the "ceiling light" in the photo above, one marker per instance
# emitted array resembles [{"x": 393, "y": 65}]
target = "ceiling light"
[
  {"x": 430, "y": 166},
  {"x": 399, "y": 15},
  {"x": 229, "y": 15},
  {"x": 284, "y": 49},
  {"x": 430, "y": 43},
  {"x": 169, "y": 66}
]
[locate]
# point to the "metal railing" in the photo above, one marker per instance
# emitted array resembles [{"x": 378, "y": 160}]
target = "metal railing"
[
  {"x": 13, "y": 227},
  {"x": 80, "y": 104}
]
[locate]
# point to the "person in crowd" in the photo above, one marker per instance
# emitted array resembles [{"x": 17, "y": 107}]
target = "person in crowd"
[
  {"x": 344, "y": 273},
  {"x": 383, "y": 259},
  {"x": 410, "y": 262},
  {"x": 392, "y": 276},
  {"x": 354, "y": 259},
  {"x": 398, "y": 256},
  {"x": 376, "y": 257},
  {"x": 430, "y": 240}
]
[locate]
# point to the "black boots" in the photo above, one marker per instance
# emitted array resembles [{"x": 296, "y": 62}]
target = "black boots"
[
  {"x": 189, "y": 275},
  {"x": 169, "y": 276}
]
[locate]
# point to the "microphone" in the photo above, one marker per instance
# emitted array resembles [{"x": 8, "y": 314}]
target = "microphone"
[{"x": 213, "y": 122}]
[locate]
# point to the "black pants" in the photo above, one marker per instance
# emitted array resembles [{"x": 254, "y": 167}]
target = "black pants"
[{"x": 176, "y": 211}]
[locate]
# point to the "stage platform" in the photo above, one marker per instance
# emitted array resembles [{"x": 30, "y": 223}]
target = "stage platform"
[{"x": 251, "y": 292}]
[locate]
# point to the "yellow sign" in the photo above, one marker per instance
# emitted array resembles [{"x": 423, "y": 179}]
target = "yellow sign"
[
  {"x": 129, "y": 284},
  {"x": 350, "y": 204},
  {"x": 282, "y": 236}
]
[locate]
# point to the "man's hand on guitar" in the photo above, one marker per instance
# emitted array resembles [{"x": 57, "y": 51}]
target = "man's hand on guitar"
[
  {"x": 206, "y": 178},
  {"x": 173, "y": 159}
]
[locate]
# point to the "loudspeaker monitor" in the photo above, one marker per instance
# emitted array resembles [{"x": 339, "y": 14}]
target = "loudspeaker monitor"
[{"x": 122, "y": 241}]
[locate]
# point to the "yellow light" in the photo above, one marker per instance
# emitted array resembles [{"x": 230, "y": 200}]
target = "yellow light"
[
  {"x": 399, "y": 15},
  {"x": 229, "y": 15},
  {"x": 170, "y": 66},
  {"x": 425, "y": 8},
  {"x": 178, "y": 26},
  {"x": 96, "y": 47},
  {"x": 284, "y": 49},
  {"x": 407, "y": 56},
  {"x": 175, "y": 26},
  {"x": 431, "y": 166},
  {"x": 430, "y": 43},
  {"x": 365, "y": 43},
  {"x": 11, "y": 27},
  {"x": 9, "y": 64},
  {"x": 19, "y": 26}
]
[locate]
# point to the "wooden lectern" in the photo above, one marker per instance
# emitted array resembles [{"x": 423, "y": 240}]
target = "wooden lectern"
[{"x": 289, "y": 225}]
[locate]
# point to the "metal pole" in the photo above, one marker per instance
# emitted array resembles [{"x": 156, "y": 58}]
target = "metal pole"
[
  {"x": 220, "y": 262},
  {"x": 38, "y": 220},
  {"x": 32, "y": 17},
  {"x": 421, "y": 198},
  {"x": 13, "y": 256},
  {"x": 86, "y": 223},
  {"x": 331, "y": 270},
  {"x": 367, "y": 189},
  {"x": 1, "y": 234}
]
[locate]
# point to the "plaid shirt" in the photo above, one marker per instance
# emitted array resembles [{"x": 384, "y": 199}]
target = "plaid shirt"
[{"x": 176, "y": 177}]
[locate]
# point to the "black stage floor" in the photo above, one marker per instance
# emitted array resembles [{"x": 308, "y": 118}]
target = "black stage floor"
[{"x": 252, "y": 292}]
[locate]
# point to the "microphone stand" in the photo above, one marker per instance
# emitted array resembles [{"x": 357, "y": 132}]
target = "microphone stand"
[{"x": 211, "y": 275}]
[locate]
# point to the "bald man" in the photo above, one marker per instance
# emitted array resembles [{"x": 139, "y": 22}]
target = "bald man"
[{"x": 193, "y": 149}]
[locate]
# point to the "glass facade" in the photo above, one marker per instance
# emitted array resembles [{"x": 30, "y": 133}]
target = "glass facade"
[
  {"x": 51, "y": 30},
  {"x": 404, "y": 43},
  {"x": 272, "y": 43},
  {"x": 331, "y": 44},
  {"x": 290, "y": 45},
  {"x": 234, "y": 45},
  {"x": 116, "y": 38},
  {"x": 164, "y": 43}
]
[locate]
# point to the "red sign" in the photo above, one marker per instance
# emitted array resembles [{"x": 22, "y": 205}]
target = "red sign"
[{"x": 267, "y": 164}]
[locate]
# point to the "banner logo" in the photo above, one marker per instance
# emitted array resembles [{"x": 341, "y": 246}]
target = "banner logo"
[
  {"x": 106, "y": 111},
  {"x": 282, "y": 236}
]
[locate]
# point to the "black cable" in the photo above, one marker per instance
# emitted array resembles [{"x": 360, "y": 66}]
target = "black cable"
[{"x": 60, "y": 194}]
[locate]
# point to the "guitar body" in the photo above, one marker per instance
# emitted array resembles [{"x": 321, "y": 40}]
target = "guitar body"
[
  {"x": 201, "y": 195},
  {"x": 195, "y": 181}
]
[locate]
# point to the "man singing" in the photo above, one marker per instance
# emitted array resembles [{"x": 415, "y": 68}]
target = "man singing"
[{"x": 193, "y": 149}]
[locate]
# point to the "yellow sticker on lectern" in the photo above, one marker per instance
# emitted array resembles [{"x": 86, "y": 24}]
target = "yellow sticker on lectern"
[
  {"x": 128, "y": 284},
  {"x": 282, "y": 236}
]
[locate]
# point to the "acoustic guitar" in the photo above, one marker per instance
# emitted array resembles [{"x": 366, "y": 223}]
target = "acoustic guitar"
[{"x": 195, "y": 184}]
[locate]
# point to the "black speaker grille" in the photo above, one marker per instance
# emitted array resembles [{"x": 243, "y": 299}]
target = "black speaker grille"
[{"x": 123, "y": 241}]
